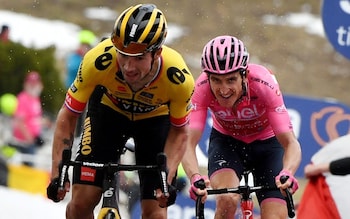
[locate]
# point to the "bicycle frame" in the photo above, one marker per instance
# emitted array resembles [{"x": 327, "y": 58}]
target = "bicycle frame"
[
  {"x": 110, "y": 208},
  {"x": 245, "y": 192}
]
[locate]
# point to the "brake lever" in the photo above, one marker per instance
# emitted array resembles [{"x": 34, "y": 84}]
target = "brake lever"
[{"x": 289, "y": 198}]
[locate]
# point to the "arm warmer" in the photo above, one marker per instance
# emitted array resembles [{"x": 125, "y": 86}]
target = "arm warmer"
[{"x": 340, "y": 167}]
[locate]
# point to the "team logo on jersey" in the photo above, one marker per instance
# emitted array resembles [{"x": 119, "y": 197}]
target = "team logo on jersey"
[
  {"x": 203, "y": 82},
  {"x": 80, "y": 76},
  {"x": 147, "y": 95},
  {"x": 103, "y": 61},
  {"x": 262, "y": 82},
  {"x": 176, "y": 75},
  {"x": 73, "y": 88},
  {"x": 281, "y": 109},
  {"x": 132, "y": 106}
]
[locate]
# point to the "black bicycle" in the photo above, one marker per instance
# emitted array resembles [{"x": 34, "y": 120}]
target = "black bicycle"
[
  {"x": 109, "y": 208},
  {"x": 245, "y": 192}
]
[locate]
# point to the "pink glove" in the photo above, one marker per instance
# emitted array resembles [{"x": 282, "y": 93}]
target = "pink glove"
[
  {"x": 294, "y": 185},
  {"x": 194, "y": 180}
]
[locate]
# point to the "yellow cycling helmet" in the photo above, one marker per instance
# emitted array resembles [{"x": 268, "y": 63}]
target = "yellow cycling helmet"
[{"x": 139, "y": 29}]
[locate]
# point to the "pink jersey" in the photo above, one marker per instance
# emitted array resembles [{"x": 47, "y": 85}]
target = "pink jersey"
[
  {"x": 29, "y": 109},
  {"x": 264, "y": 116}
]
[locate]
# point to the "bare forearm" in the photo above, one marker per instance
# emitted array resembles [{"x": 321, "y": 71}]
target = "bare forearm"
[
  {"x": 190, "y": 161},
  {"x": 175, "y": 148},
  {"x": 292, "y": 157},
  {"x": 63, "y": 138},
  {"x": 292, "y": 151},
  {"x": 314, "y": 170}
]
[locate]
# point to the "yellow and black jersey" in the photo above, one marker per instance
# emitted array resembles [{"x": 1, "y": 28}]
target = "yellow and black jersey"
[{"x": 168, "y": 94}]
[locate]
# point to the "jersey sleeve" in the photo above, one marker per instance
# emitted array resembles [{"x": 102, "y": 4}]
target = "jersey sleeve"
[
  {"x": 182, "y": 87},
  {"x": 180, "y": 104},
  {"x": 277, "y": 111},
  {"x": 340, "y": 167}
]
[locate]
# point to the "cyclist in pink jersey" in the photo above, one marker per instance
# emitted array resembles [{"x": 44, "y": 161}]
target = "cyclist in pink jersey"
[{"x": 251, "y": 129}]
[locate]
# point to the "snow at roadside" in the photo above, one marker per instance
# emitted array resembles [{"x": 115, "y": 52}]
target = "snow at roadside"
[{"x": 41, "y": 33}]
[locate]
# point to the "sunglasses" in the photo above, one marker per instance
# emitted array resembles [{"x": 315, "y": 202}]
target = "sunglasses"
[{"x": 133, "y": 48}]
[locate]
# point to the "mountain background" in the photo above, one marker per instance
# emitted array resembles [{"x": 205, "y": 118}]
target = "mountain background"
[{"x": 305, "y": 64}]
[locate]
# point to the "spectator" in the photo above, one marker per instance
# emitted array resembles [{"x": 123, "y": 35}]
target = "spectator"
[
  {"x": 4, "y": 34},
  {"x": 325, "y": 193},
  {"x": 27, "y": 119},
  {"x": 86, "y": 40},
  {"x": 336, "y": 167}
]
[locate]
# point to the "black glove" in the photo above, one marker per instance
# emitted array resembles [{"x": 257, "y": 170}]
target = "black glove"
[
  {"x": 52, "y": 189},
  {"x": 172, "y": 195}
]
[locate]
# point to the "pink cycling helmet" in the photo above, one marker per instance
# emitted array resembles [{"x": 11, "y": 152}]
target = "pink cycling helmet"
[{"x": 224, "y": 54}]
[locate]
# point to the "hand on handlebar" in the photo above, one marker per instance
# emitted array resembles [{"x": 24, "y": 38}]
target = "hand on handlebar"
[
  {"x": 165, "y": 201},
  {"x": 54, "y": 192},
  {"x": 198, "y": 185},
  {"x": 291, "y": 184},
  {"x": 59, "y": 186}
]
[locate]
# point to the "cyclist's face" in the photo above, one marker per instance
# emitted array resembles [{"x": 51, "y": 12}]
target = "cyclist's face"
[
  {"x": 226, "y": 88},
  {"x": 135, "y": 68}
]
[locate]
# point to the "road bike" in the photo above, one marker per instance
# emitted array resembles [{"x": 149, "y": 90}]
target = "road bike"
[
  {"x": 109, "y": 208},
  {"x": 245, "y": 192}
]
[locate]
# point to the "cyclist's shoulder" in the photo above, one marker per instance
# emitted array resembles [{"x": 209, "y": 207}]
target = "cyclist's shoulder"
[
  {"x": 202, "y": 81},
  {"x": 172, "y": 59},
  {"x": 175, "y": 71},
  {"x": 103, "y": 52},
  {"x": 261, "y": 77},
  {"x": 258, "y": 70},
  {"x": 168, "y": 53},
  {"x": 101, "y": 58}
]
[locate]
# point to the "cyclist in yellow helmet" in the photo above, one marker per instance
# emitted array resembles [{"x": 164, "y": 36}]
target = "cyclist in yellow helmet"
[{"x": 135, "y": 87}]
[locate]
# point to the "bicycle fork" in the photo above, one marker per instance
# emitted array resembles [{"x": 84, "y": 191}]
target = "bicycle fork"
[
  {"x": 247, "y": 209},
  {"x": 109, "y": 209}
]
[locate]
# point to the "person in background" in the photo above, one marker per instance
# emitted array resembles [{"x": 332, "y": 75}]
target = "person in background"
[
  {"x": 339, "y": 167},
  {"x": 86, "y": 41},
  {"x": 326, "y": 190},
  {"x": 28, "y": 116},
  {"x": 133, "y": 87},
  {"x": 5, "y": 33},
  {"x": 251, "y": 129}
]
